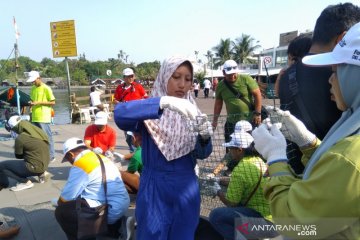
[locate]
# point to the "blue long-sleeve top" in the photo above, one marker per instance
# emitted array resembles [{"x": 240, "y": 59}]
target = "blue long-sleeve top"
[{"x": 129, "y": 116}]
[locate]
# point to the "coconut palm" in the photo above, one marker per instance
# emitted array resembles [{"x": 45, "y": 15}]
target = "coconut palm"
[
  {"x": 222, "y": 52},
  {"x": 243, "y": 48}
]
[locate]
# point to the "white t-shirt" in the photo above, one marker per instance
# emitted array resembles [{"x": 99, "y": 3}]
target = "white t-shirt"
[
  {"x": 95, "y": 98},
  {"x": 207, "y": 83},
  {"x": 196, "y": 86}
]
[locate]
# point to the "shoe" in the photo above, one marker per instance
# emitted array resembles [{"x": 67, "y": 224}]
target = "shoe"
[
  {"x": 44, "y": 177},
  {"x": 7, "y": 232},
  {"x": 127, "y": 228},
  {"x": 22, "y": 186}
]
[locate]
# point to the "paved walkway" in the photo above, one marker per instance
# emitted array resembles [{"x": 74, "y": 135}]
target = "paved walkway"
[{"x": 32, "y": 208}]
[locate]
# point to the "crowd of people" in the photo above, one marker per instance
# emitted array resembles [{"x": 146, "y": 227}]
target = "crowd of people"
[{"x": 267, "y": 184}]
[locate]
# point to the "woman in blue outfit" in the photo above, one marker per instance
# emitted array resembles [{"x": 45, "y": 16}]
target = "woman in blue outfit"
[{"x": 174, "y": 136}]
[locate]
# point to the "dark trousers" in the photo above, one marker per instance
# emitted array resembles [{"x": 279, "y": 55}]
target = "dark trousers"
[
  {"x": 66, "y": 216},
  {"x": 15, "y": 169}
]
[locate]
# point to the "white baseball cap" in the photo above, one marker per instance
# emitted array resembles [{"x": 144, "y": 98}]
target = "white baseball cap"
[
  {"x": 243, "y": 126},
  {"x": 32, "y": 76},
  {"x": 346, "y": 51},
  {"x": 71, "y": 144},
  {"x": 230, "y": 67},
  {"x": 101, "y": 118},
  {"x": 128, "y": 72},
  {"x": 240, "y": 139},
  {"x": 13, "y": 121}
]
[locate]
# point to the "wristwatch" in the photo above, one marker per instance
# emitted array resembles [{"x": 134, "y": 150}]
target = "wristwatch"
[{"x": 256, "y": 113}]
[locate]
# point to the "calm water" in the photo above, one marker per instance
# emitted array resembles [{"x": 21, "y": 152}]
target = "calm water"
[{"x": 62, "y": 106}]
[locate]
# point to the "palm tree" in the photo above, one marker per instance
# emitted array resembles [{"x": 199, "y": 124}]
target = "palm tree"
[
  {"x": 222, "y": 52},
  {"x": 243, "y": 48}
]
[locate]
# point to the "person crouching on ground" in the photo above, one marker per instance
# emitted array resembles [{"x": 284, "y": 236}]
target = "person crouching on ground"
[
  {"x": 100, "y": 137},
  {"x": 328, "y": 195},
  {"x": 131, "y": 176},
  {"x": 168, "y": 200},
  {"x": 244, "y": 198},
  {"x": 32, "y": 145},
  {"x": 85, "y": 181}
]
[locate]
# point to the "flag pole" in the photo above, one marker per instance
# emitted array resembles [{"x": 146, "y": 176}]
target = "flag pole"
[{"x": 16, "y": 67}]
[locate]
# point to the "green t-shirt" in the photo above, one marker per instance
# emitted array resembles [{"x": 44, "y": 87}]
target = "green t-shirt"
[
  {"x": 135, "y": 162},
  {"x": 41, "y": 113},
  {"x": 237, "y": 109},
  {"x": 243, "y": 180},
  {"x": 35, "y": 152}
]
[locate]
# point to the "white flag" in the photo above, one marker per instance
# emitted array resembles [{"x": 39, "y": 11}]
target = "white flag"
[{"x": 17, "y": 33}]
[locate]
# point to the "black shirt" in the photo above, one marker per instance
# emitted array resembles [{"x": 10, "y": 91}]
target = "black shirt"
[{"x": 312, "y": 85}]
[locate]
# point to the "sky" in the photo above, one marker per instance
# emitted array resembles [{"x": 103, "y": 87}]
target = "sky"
[{"x": 153, "y": 29}]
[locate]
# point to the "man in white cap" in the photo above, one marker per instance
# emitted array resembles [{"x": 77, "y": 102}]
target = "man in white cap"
[
  {"x": 237, "y": 109},
  {"x": 85, "y": 181},
  {"x": 31, "y": 145},
  {"x": 244, "y": 196},
  {"x": 42, "y": 101},
  {"x": 100, "y": 137},
  {"x": 127, "y": 91}
]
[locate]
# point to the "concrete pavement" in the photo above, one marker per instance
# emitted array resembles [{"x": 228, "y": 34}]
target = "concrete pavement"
[{"x": 32, "y": 208}]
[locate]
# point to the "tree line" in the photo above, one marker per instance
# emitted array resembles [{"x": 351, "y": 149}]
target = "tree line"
[{"x": 84, "y": 71}]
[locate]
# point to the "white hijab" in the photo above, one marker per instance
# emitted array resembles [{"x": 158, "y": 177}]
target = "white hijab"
[
  {"x": 349, "y": 123},
  {"x": 171, "y": 133}
]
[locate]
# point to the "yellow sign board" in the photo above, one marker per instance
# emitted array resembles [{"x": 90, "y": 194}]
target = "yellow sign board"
[{"x": 63, "y": 39}]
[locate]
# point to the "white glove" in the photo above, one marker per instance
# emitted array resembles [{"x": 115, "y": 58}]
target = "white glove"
[
  {"x": 270, "y": 144},
  {"x": 215, "y": 189},
  {"x": 109, "y": 154},
  {"x": 119, "y": 156},
  {"x": 206, "y": 130},
  {"x": 180, "y": 105},
  {"x": 203, "y": 127},
  {"x": 97, "y": 150},
  {"x": 292, "y": 128}
]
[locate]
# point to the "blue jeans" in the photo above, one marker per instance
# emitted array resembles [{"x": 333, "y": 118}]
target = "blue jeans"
[
  {"x": 223, "y": 220},
  {"x": 15, "y": 169},
  {"x": 46, "y": 128}
]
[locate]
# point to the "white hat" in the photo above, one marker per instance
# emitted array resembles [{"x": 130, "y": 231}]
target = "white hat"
[
  {"x": 13, "y": 121},
  {"x": 71, "y": 144},
  {"x": 101, "y": 118},
  {"x": 128, "y": 72},
  {"x": 230, "y": 67},
  {"x": 243, "y": 126},
  {"x": 32, "y": 76},
  {"x": 346, "y": 51},
  {"x": 240, "y": 140}
]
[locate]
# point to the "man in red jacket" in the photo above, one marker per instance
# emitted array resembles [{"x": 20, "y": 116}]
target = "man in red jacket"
[{"x": 127, "y": 91}]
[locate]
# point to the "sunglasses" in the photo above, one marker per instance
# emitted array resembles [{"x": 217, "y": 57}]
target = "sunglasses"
[{"x": 230, "y": 68}]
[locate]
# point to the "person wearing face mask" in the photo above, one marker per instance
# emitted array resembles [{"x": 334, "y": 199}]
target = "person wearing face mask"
[
  {"x": 174, "y": 135},
  {"x": 328, "y": 195}
]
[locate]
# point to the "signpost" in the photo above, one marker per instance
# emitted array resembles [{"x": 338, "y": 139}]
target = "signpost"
[
  {"x": 63, "y": 42},
  {"x": 63, "y": 39}
]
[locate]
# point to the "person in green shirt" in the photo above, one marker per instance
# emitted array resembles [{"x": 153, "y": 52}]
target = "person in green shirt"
[
  {"x": 131, "y": 176},
  {"x": 244, "y": 198},
  {"x": 31, "y": 145},
  {"x": 42, "y": 101}
]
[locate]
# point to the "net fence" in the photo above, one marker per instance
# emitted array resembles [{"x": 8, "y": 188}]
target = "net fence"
[{"x": 219, "y": 167}]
